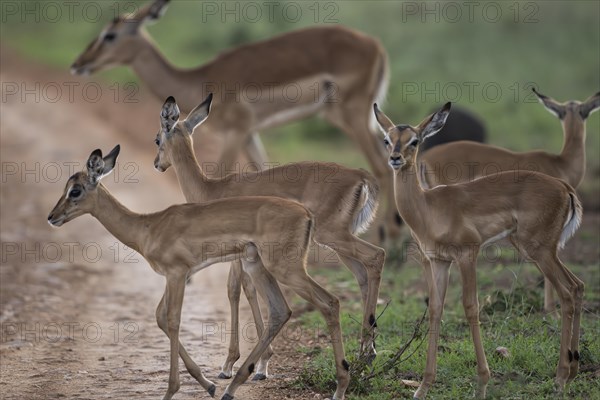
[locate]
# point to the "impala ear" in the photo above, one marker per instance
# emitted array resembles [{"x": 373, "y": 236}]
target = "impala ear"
[
  {"x": 434, "y": 123},
  {"x": 151, "y": 12},
  {"x": 169, "y": 115},
  {"x": 110, "y": 160},
  {"x": 98, "y": 167},
  {"x": 589, "y": 106},
  {"x": 551, "y": 105},
  {"x": 385, "y": 124},
  {"x": 199, "y": 114}
]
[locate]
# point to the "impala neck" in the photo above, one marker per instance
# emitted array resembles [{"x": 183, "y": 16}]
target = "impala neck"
[
  {"x": 573, "y": 151},
  {"x": 128, "y": 227},
  {"x": 162, "y": 78},
  {"x": 410, "y": 196},
  {"x": 192, "y": 180}
]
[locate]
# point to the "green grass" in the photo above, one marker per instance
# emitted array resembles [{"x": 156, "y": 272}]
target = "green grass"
[{"x": 510, "y": 317}]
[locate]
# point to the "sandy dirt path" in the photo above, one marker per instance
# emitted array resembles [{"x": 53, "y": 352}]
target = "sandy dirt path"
[{"x": 76, "y": 306}]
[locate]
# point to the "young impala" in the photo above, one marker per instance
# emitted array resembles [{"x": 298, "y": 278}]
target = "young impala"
[
  {"x": 183, "y": 239},
  {"x": 450, "y": 224},
  {"x": 343, "y": 201},
  {"x": 332, "y": 71},
  {"x": 476, "y": 159}
]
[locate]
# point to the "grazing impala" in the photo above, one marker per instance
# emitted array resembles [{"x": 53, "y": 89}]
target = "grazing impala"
[
  {"x": 450, "y": 224},
  {"x": 473, "y": 160},
  {"x": 179, "y": 241},
  {"x": 343, "y": 201},
  {"x": 328, "y": 70}
]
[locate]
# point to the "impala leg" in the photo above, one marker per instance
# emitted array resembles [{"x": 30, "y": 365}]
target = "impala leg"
[
  {"x": 471, "y": 307},
  {"x": 549, "y": 302},
  {"x": 366, "y": 263},
  {"x": 174, "y": 301},
  {"x": 329, "y": 306},
  {"x": 436, "y": 273},
  {"x": 233, "y": 147},
  {"x": 576, "y": 324},
  {"x": 256, "y": 151},
  {"x": 567, "y": 290},
  {"x": 234, "y": 288},
  {"x": 190, "y": 365},
  {"x": 250, "y": 292},
  {"x": 279, "y": 313},
  {"x": 238, "y": 278}
]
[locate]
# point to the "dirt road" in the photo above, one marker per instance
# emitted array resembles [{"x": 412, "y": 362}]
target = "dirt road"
[{"x": 76, "y": 306}]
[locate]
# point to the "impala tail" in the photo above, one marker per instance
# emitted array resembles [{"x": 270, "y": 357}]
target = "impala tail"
[
  {"x": 367, "y": 201},
  {"x": 574, "y": 220}
]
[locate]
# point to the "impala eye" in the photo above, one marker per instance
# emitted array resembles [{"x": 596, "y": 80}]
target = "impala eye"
[
  {"x": 74, "y": 193},
  {"x": 109, "y": 37},
  {"x": 157, "y": 142},
  {"x": 413, "y": 143},
  {"x": 386, "y": 142}
]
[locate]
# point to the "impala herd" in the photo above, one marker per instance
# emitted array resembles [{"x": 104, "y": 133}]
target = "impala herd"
[{"x": 529, "y": 199}]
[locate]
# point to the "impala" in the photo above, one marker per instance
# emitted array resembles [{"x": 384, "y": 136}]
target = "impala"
[
  {"x": 183, "y": 239},
  {"x": 343, "y": 201},
  {"x": 450, "y": 224},
  {"x": 476, "y": 159},
  {"x": 332, "y": 71}
]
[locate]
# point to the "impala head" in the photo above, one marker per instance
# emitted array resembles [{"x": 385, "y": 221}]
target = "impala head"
[
  {"x": 119, "y": 41},
  {"x": 402, "y": 141},
  {"x": 577, "y": 109},
  {"x": 80, "y": 194},
  {"x": 174, "y": 132}
]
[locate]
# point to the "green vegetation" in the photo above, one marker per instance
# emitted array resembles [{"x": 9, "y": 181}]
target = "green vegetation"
[{"x": 510, "y": 316}]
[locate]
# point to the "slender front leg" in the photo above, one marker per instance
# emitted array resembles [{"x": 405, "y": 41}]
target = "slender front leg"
[
  {"x": 471, "y": 307},
  {"x": 175, "y": 290},
  {"x": 190, "y": 365},
  {"x": 255, "y": 151},
  {"x": 233, "y": 147},
  {"x": 436, "y": 273}
]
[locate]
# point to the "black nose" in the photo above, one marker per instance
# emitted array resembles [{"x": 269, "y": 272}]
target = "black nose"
[
  {"x": 395, "y": 158},
  {"x": 49, "y": 217}
]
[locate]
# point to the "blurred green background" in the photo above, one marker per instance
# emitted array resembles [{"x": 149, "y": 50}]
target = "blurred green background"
[{"x": 482, "y": 55}]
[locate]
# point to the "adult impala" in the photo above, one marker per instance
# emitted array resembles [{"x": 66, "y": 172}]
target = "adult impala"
[
  {"x": 450, "y": 224},
  {"x": 332, "y": 71},
  {"x": 184, "y": 239},
  {"x": 471, "y": 160},
  {"x": 343, "y": 201}
]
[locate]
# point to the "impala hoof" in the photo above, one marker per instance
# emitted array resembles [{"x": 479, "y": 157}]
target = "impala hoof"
[
  {"x": 259, "y": 377},
  {"x": 227, "y": 396},
  {"x": 223, "y": 375},
  {"x": 211, "y": 390}
]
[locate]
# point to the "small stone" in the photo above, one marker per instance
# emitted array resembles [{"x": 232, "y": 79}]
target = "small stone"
[
  {"x": 502, "y": 352},
  {"x": 102, "y": 358}
]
